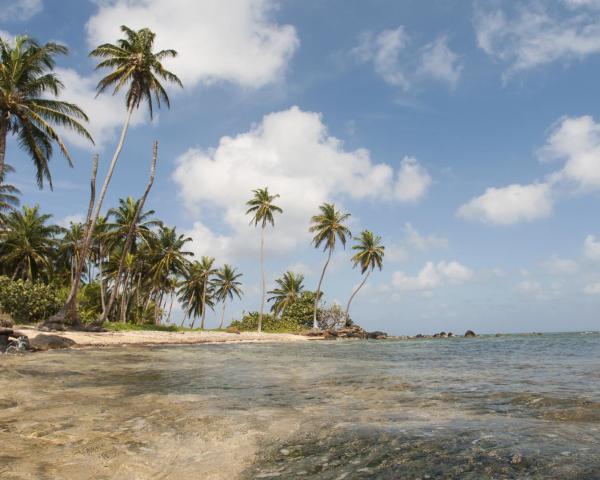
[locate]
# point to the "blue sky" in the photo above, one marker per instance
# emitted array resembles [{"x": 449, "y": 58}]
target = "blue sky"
[{"x": 464, "y": 133}]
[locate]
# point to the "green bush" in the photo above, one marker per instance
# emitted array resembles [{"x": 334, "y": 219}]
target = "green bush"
[
  {"x": 28, "y": 302},
  {"x": 295, "y": 318}
]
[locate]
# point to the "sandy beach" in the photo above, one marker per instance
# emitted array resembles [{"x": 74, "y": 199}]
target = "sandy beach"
[{"x": 113, "y": 339}]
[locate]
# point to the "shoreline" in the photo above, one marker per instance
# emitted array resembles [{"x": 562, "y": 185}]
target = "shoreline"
[{"x": 156, "y": 338}]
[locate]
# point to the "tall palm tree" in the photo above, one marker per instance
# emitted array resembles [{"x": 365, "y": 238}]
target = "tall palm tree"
[
  {"x": 193, "y": 292},
  {"x": 227, "y": 285},
  {"x": 289, "y": 289},
  {"x": 262, "y": 208},
  {"x": 28, "y": 105},
  {"x": 69, "y": 247},
  {"x": 28, "y": 244},
  {"x": 369, "y": 254},
  {"x": 136, "y": 67},
  {"x": 328, "y": 227},
  {"x": 208, "y": 270}
]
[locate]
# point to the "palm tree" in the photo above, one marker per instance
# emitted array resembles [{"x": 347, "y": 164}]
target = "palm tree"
[
  {"x": 29, "y": 244},
  {"x": 9, "y": 194},
  {"x": 288, "y": 291},
  {"x": 138, "y": 68},
  {"x": 28, "y": 105},
  {"x": 328, "y": 227},
  {"x": 69, "y": 247},
  {"x": 226, "y": 286},
  {"x": 192, "y": 291},
  {"x": 369, "y": 254},
  {"x": 123, "y": 217},
  {"x": 206, "y": 265},
  {"x": 262, "y": 209}
]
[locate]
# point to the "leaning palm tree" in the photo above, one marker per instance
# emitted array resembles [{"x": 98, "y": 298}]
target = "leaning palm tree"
[
  {"x": 194, "y": 293},
  {"x": 328, "y": 227},
  {"x": 28, "y": 105},
  {"x": 29, "y": 244},
  {"x": 227, "y": 285},
  {"x": 289, "y": 288},
  {"x": 136, "y": 67},
  {"x": 262, "y": 208},
  {"x": 369, "y": 254}
]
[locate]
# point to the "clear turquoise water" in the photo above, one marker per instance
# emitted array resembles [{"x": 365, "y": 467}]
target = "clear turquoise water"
[{"x": 496, "y": 407}]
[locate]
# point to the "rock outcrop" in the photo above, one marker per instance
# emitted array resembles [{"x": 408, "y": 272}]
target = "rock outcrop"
[
  {"x": 44, "y": 342},
  {"x": 12, "y": 341},
  {"x": 470, "y": 333}
]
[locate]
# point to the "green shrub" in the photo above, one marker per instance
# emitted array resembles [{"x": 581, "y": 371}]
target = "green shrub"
[
  {"x": 295, "y": 318},
  {"x": 28, "y": 302},
  {"x": 89, "y": 302}
]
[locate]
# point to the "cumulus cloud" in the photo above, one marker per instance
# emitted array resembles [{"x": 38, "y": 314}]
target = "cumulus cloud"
[
  {"x": 532, "y": 36},
  {"x": 292, "y": 153},
  {"x": 106, "y": 113},
  {"x": 432, "y": 275},
  {"x": 591, "y": 248},
  {"x": 19, "y": 10},
  {"x": 412, "y": 181},
  {"x": 396, "y": 65},
  {"x": 592, "y": 289},
  {"x": 66, "y": 221},
  {"x": 556, "y": 265},
  {"x": 511, "y": 204},
  {"x": 576, "y": 140},
  {"x": 231, "y": 40}
]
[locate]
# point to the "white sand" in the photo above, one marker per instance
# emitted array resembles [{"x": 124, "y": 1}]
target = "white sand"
[{"x": 110, "y": 339}]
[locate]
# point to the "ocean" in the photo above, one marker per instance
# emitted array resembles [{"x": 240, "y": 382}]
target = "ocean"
[{"x": 508, "y": 407}]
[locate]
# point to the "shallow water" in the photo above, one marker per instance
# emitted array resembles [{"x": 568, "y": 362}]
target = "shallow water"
[{"x": 496, "y": 407}]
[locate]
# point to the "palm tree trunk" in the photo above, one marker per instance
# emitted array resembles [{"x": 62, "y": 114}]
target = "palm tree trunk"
[
  {"x": 204, "y": 302},
  {"x": 70, "y": 305},
  {"x": 3, "y": 137},
  {"x": 124, "y": 299},
  {"x": 355, "y": 292},
  {"x": 222, "y": 315},
  {"x": 101, "y": 279},
  {"x": 68, "y": 313},
  {"x": 170, "y": 308},
  {"x": 129, "y": 238},
  {"x": 262, "y": 275},
  {"x": 315, "y": 324}
]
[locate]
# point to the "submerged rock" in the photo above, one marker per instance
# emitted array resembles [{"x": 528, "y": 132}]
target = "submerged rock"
[{"x": 50, "y": 342}]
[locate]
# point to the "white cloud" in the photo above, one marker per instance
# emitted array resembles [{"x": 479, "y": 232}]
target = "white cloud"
[
  {"x": 292, "y": 153},
  {"x": 560, "y": 266},
  {"x": 412, "y": 182},
  {"x": 106, "y": 113},
  {"x": 384, "y": 51},
  {"x": 231, "y": 40},
  {"x": 66, "y": 221},
  {"x": 592, "y": 289},
  {"x": 398, "y": 66},
  {"x": 438, "y": 61},
  {"x": 532, "y": 36},
  {"x": 19, "y": 10},
  {"x": 432, "y": 275},
  {"x": 582, "y": 3},
  {"x": 591, "y": 248},
  {"x": 511, "y": 204},
  {"x": 301, "y": 267},
  {"x": 422, "y": 242},
  {"x": 577, "y": 141}
]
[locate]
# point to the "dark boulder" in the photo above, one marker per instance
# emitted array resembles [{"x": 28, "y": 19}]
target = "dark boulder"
[
  {"x": 377, "y": 335},
  {"x": 50, "y": 342},
  {"x": 470, "y": 333}
]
